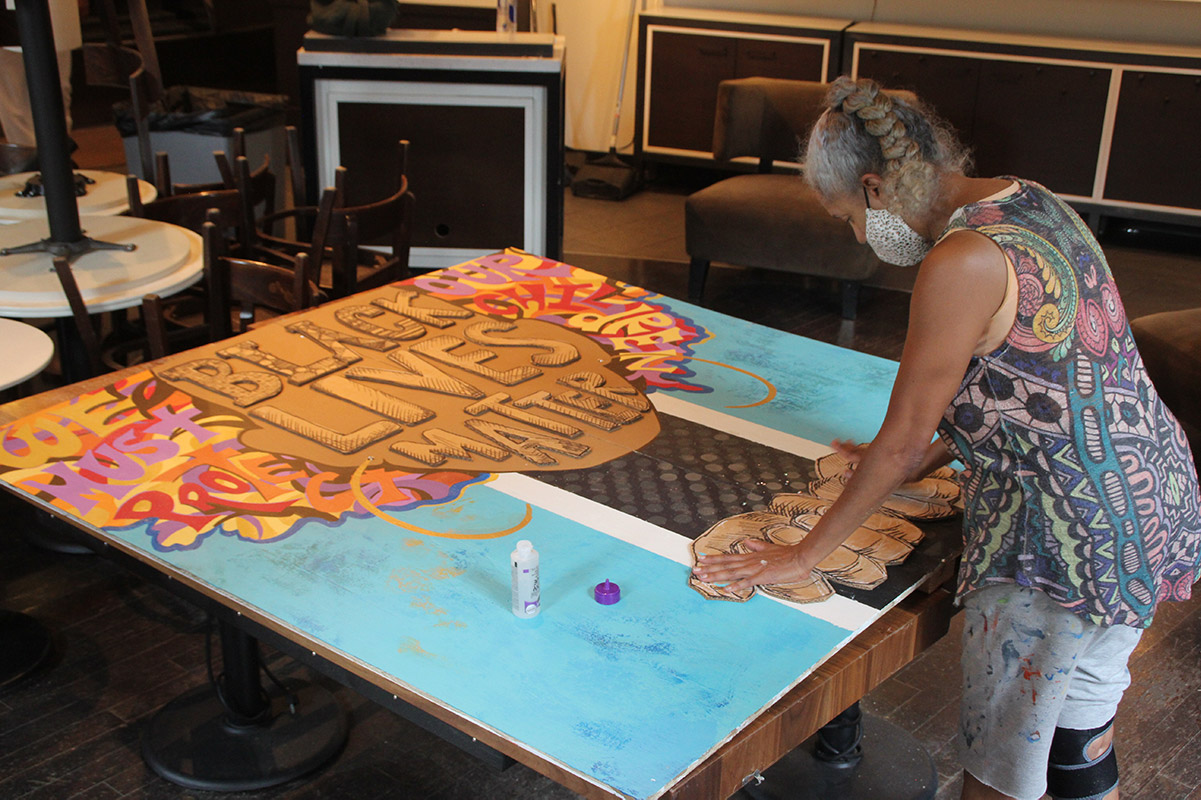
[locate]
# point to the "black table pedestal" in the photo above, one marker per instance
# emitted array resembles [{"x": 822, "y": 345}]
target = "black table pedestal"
[
  {"x": 239, "y": 738},
  {"x": 47, "y": 532},
  {"x": 24, "y": 646},
  {"x": 71, "y": 250},
  {"x": 893, "y": 766}
]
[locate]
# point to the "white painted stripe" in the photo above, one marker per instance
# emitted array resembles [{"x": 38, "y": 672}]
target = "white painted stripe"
[
  {"x": 838, "y": 610},
  {"x": 618, "y": 524},
  {"x": 751, "y": 431}
]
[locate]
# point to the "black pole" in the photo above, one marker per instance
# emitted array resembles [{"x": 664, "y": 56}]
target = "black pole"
[
  {"x": 49, "y": 119},
  {"x": 54, "y": 145},
  {"x": 241, "y": 690},
  {"x": 838, "y": 740}
]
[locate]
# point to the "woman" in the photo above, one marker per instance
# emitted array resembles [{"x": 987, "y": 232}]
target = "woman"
[{"x": 1080, "y": 494}]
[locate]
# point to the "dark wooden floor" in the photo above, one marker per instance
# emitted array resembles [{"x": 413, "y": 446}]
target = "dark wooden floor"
[{"x": 125, "y": 647}]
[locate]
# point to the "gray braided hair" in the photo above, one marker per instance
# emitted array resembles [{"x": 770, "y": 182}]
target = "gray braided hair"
[{"x": 866, "y": 129}]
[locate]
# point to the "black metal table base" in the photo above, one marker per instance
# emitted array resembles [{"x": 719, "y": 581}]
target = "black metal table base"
[
  {"x": 24, "y": 646},
  {"x": 71, "y": 250},
  {"x": 234, "y": 737},
  {"x": 191, "y": 741},
  {"x": 41, "y": 528},
  {"x": 894, "y": 766}
]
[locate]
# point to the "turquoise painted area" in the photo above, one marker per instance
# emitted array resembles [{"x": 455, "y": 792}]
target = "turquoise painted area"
[
  {"x": 824, "y": 392},
  {"x": 630, "y": 694}
]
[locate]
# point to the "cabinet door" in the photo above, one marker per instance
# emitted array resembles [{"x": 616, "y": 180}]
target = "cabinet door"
[
  {"x": 1154, "y": 157},
  {"x": 685, "y": 71},
  {"x": 1042, "y": 122},
  {"x": 947, "y": 83},
  {"x": 462, "y": 149},
  {"x": 772, "y": 58}
]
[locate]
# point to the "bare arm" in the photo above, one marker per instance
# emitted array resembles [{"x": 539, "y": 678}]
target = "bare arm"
[
  {"x": 960, "y": 285},
  {"x": 936, "y": 455}
]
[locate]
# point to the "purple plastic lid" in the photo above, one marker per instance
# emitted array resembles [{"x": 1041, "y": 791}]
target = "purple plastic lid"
[{"x": 607, "y": 593}]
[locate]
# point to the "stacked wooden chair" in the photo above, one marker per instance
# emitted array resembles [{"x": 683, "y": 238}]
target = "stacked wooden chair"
[
  {"x": 770, "y": 220},
  {"x": 342, "y": 236},
  {"x": 112, "y": 64},
  {"x": 235, "y": 292},
  {"x": 251, "y": 270}
]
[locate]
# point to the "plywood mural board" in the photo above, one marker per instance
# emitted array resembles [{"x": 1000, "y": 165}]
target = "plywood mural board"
[{"x": 379, "y": 559}]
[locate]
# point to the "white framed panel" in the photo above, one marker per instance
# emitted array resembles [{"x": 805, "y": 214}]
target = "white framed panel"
[
  {"x": 648, "y": 56},
  {"x": 530, "y": 99}
]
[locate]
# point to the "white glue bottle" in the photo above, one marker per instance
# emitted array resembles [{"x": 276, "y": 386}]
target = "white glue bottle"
[{"x": 527, "y": 591}]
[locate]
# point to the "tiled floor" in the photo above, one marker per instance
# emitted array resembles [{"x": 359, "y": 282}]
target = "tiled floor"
[{"x": 126, "y": 647}]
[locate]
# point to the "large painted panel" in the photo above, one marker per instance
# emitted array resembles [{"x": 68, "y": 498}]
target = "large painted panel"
[{"x": 343, "y": 516}]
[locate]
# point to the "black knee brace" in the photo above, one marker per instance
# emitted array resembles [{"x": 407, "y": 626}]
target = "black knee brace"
[{"x": 1070, "y": 773}]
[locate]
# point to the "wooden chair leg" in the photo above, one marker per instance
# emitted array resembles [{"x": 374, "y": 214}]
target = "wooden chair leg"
[
  {"x": 162, "y": 174},
  {"x": 850, "y": 299},
  {"x": 698, "y": 273},
  {"x": 156, "y": 326},
  {"x": 83, "y": 323}
]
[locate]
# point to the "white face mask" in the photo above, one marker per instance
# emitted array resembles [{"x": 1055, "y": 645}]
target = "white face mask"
[{"x": 891, "y": 238}]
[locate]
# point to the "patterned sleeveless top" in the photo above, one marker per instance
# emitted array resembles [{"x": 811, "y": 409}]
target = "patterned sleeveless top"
[{"x": 1079, "y": 481}]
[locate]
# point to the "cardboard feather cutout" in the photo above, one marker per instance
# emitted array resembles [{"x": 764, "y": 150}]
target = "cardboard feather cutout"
[
  {"x": 859, "y": 562},
  {"x": 934, "y": 497}
]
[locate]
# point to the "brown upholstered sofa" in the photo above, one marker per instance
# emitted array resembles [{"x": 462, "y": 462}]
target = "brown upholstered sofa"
[
  {"x": 1170, "y": 344},
  {"x": 770, "y": 220}
]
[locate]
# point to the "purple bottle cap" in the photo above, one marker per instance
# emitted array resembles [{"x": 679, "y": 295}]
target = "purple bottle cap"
[{"x": 607, "y": 593}]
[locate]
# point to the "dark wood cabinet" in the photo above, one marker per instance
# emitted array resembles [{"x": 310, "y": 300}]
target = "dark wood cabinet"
[
  {"x": 1111, "y": 126},
  {"x": 1040, "y": 121},
  {"x": 683, "y": 86},
  {"x": 765, "y": 58},
  {"x": 683, "y": 56},
  {"x": 1155, "y": 156},
  {"x": 950, "y": 84}
]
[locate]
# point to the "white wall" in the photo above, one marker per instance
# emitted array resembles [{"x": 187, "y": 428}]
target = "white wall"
[
  {"x": 595, "y": 32},
  {"x": 1155, "y": 21}
]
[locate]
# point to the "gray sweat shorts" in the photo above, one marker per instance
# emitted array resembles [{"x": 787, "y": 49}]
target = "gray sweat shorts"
[{"x": 1030, "y": 666}]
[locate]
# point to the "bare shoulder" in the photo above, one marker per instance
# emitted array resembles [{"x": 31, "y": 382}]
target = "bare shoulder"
[
  {"x": 966, "y": 251},
  {"x": 966, "y": 269}
]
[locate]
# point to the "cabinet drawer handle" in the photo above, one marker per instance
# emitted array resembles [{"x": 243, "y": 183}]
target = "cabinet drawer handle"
[{"x": 713, "y": 51}]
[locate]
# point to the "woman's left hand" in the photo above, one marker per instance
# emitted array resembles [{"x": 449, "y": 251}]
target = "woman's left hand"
[{"x": 767, "y": 563}]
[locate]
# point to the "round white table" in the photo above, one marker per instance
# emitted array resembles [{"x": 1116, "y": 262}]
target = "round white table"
[
  {"x": 106, "y": 197},
  {"x": 27, "y": 351},
  {"x": 167, "y": 259}
]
